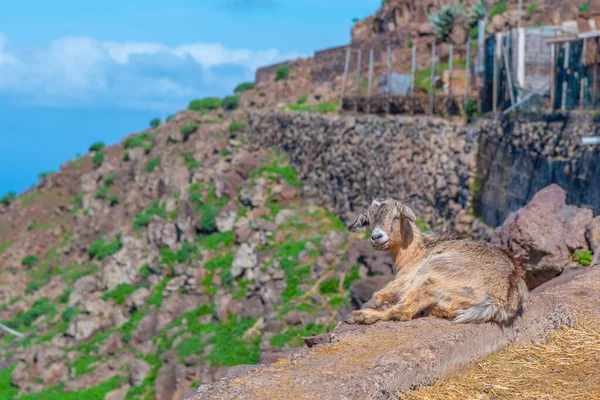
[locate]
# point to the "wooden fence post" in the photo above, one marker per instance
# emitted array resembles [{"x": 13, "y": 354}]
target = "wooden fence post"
[
  {"x": 565, "y": 85},
  {"x": 467, "y": 73},
  {"x": 552, "y": 76},
  {"x": 413, "y": 71},
  {"x": 389, "y": 77}
]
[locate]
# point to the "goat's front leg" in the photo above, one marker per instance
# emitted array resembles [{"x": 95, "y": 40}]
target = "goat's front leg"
[
  {"x": 410, "y": 306},
  {"x": 388, "y": 296}
]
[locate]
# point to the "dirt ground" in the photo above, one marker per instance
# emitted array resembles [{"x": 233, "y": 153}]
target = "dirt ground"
[{"x": 567, "y": 366}]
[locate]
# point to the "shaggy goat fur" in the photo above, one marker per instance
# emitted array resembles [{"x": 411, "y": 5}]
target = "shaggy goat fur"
[{"x": 438, "y": 274}]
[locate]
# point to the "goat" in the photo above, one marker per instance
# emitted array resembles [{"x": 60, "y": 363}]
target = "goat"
[{"x": 438, "y": 275}]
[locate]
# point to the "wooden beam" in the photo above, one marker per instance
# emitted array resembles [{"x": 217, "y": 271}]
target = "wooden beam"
[{"x": 552, "y": 76}]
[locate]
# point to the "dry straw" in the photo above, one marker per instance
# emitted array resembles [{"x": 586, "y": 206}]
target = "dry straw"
[{"x": 566, "y": 366}]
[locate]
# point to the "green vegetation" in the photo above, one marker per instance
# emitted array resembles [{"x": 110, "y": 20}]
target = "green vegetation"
[
  {"x": 242, "y": 87},
  {"x": 154, "y": 123},
  {"x": 25, "y": 319},
  {"x": 422, "y": 225},
  {"x": 323, "y": 108},
  {"x": 583, "y": 257},
  {"x": 101, "y": 193},
  {"x": 532, "y": 8},
  {"x": 188, "y": 129},
  {"x": 301, "y": 100},
  {"x": 585, "y": 7},
  {"x": 477, "y": 12},
  {"x": 100, "y": 250},
  {"x": 211, "y": 242},
  {"x": 231, "y": 103},
  {"x": 139, "y": 140},
  {"x": 98, "y": 159},
  {"x": 293, "y": 336},
  {"x": 83, "y": 364},
  {"x": 471, "y": 108},
  {"x": 498, "y": 9},
  {"x": 148, "y": 148},
  {"x": 474, "y": 33},
  {"x": 330, "y": 286},
  {"x": 275, "y": 170},
  {"x": 97, "y": 146},
  {"x": 113, "y": 200},
  {"x": 352, "y": 276},
  {"x": 8, "y": 198},
  {"x": 152, "y": 164},
  {"x": 145, "y": 217},
  {"x": 237, "y": 126},
  {"x": 30, "y": 260},
  {"x": 119, "y": 293},
  {"x": 74, "y": 272},
  {"x": 444, "y": 20},
  {"x": 191, "y": 162},
  {"x": 5, "y": 246},
  {"x": 282, "y": 72},
  {"x": 8, "y": 392},
  {"x": 206, "y": 104},
  {"x": 156, "y": 296}
]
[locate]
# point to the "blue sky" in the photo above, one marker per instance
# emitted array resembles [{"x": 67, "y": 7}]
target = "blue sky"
[{"x": 75, "y": 72}]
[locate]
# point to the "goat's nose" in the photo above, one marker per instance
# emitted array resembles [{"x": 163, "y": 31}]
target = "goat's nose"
[{"x": 376, "y": 236}]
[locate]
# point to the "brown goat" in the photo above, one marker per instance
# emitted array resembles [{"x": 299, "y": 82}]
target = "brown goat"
[{"x": 438, "y": 275}]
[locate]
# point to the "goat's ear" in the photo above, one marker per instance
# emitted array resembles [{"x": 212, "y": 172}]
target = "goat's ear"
[
  {"x": 362, "y": 221},
  {"x": 406, "y": 212}
]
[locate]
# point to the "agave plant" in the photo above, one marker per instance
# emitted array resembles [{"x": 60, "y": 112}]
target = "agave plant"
[
  {"x": 477, "y": 12},
  {"x": 444, "y": 20}
]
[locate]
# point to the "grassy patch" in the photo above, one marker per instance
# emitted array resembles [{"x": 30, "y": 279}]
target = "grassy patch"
[
  {"x": 237, "y": 126},
  {"x": 144, "y": 218},
  {"x": 30, "y": 260},
  {"x": 83, "y": 364},
  {"x": 211, "y": 242},
  {"x": 323, "y": 108},
  {"x": 498, "y": 9},
  {"x": 206, "y": 104},
  {"x": 293, "y": 336},
  {"x": 100, "y": 249},
  {"x": 98, "y": 159},
  {"x": 152, "y": 164},
  {"x": 74, "y": 272},
  {"x": 277, "y": 168},
  {"x": 282, "y": 72},
  {"x": 242, "y": 87},
  {"x": 5, "y": 246},
  {"x": 25, "y": 319},
  {"x": 119, "y": 293},
  {"x": 330, "y": 286}
]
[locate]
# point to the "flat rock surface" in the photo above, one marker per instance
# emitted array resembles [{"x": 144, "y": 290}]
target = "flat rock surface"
[{"x": 382, "y": 360}]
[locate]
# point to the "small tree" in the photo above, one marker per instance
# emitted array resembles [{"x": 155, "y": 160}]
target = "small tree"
[
  {"x": 230, "y": 102},
  {"x": 444, "y": 20},
  {"x": 8, "y": 198},
  {"x": 282, "y": 72},
  {"x": 154, "y": 123}
]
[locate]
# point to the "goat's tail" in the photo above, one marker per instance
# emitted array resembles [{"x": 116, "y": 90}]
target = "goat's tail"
[{"x": 502, "y": 312}]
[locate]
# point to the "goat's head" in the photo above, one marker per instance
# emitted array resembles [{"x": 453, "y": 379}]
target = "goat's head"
[{"x": 389, "y": 222}]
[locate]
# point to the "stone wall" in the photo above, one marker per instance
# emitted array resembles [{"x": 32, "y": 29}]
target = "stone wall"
[
  {"x": 346, "y": 161},
  {"x": 267, "y": 73},
  {"x": 517, "y": 158}
]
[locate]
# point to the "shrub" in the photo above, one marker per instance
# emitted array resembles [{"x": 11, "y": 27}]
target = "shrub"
[
  {"x": 242, "y": 87},
  {"x": 97, "y": 146},
  {"x": 584, "y": 7},
  {"x": 152, "y": 164},
  {"x": 237, "y": 126},
  {"x": 148, "y": 147},
  {"x": 113, "y": 200},
  {"x": 583, "y": 257},
  {"x": 109, "y": 249},
  {"x": 208, "y": 103},
  {"x": 132, "y": 142},
  {"x": 110, "y": 178},
  {"x": 154, "y": 123},
  {"x": 208, "y": 219},
  {"x": 30, "y": 260},
  {"x": 95, "y": 248},
  {"x": 98, "y": 159},
  {"x": 330, "y": 286},
  {"x": 282, "y": 72},
  {"x": 498, "y": 9},
  {"x": 444, "y": 20},
  {"x": 532, "y": 8},
  {"x": 119, "y": 293},
  {"x": 188, "y": 129},
  {"x": 144, "y": 218},
  {"x": 231, "y": 102},
  {"x": 301, "y": 100},
  {"x": 411, "y": 44},
  {"x": 471, "y": 108},
  {"x": 474, "y": 33},
  {"x": 8, "y": 198},
  {"x": 101, "y": 193}
]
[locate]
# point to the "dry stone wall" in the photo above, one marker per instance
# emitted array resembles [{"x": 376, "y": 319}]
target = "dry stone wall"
[{"x": 346, "y": 161}]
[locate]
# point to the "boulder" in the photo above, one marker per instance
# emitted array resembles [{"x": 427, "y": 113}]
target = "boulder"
[
  {"x": 244, "y": 163},
  {"x": 227, "y": 184},
  {"x": 162, "y": 234},
  {"x": 138, "y": 371},
  {"x": 111, "y": 345},
  {"x": 84, "y": 327},
  {"x": 543, "y": 234},
  {"x": 332, "y": 240},
  {"x": 254, "y": 194},
  {"x": 376, "y": 262},
  {"x": 245, "y": 258}
]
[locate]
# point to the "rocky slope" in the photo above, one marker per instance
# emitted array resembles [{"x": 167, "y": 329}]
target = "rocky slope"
[{"x": 145, "y": 268}]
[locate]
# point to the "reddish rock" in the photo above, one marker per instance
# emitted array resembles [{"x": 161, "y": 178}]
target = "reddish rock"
[{"x": 543, "y": 234}]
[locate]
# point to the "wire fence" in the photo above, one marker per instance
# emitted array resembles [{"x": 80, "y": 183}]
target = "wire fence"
[{"x": 425, "y": 78}]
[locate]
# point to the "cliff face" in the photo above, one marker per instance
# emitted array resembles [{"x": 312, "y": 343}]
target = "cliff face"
[{"x": 517, "y": 158}]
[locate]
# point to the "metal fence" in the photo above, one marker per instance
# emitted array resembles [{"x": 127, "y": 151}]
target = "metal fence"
[{"x": 424, "y": 78}]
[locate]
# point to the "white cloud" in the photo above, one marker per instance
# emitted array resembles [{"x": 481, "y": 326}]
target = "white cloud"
[{"x": 82, "y": 71}]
